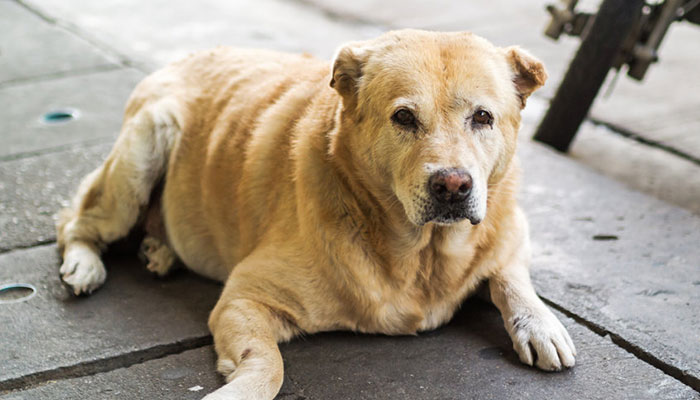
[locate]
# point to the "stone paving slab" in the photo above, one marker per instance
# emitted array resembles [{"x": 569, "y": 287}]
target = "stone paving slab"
[
  {"x": 30, "y": 47},
  {"x": 155, "y": 38},
  {"x": 99, "y": 99},
  {"x": 470, "y": 358},
  {"x": 33, "y": 189},
  {"x": 643, "y": 168},
  {"x": 167, "y": 378},
  {"x": 134, "y": 315},
  {"x": 157, "y": 32},
  {"x": 661, "y": 108},
  {"x": 626, "y": 262}
]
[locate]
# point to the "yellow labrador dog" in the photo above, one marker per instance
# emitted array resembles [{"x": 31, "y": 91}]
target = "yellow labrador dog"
[{"x": 372, "y": 195}]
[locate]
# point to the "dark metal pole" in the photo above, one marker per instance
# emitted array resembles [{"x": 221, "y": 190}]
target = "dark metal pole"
[{"x": 613, "y": 22}]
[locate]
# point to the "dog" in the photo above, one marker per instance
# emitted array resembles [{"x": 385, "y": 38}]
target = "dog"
[{"x": 373, "y": 194}]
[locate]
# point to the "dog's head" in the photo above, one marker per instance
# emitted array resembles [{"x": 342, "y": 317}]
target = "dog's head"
[{"x": 435, "y": 117}]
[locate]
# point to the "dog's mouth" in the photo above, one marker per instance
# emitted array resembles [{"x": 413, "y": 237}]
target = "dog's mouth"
[
  {"x": 454, "y": 216},
  {"x": 447, "y": 214}
]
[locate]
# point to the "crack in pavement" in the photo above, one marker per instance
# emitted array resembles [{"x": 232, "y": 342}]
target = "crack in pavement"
[
  {"x": 139, "y": 356},
  {"x": 107, "y": 364},
  {"x": 633, "y": 349},
  {"x": 624, "y": 132},
  {"x": 159, "y": 351}
]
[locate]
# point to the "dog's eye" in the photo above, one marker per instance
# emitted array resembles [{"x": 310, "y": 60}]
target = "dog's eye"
[
  {"x": 404, "y": 118},
  {"x": 482, "y": 117}
]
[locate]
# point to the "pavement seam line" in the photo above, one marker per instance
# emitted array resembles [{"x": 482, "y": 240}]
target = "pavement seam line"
[
  {"x": 60, "y": 75},
  {"x": 635, "y": 350},
  {"x": 118, "y": 56},
  {"x": 160, "y": 351},
  {"x": 102, "y": 365},
  {"x": 57, "y": 149},
  {"x": 617, "y": 339},
  {"x": 627, "y": 133},
  {"x": 39, "y": 243}
]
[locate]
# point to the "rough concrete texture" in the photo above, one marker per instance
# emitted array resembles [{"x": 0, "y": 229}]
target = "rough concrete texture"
[
  {"x": 31, "y": 48},
  {"x": 99, "y": 99},
  {"x": 33, "y": 189},
  {"x": 637, "y": 279},
  {"x": 639, "y": 166},
  {"x": 188, "y": 375},
  {"x": 134, "y": 315},
  {"x": 654, "y": 171},
  {"x": 157, "y": 32},
  {"x": 470, "y": 358},
  {"x": 620, "y": 259}
]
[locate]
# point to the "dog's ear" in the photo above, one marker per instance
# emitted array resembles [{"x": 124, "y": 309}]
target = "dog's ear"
[
  {"x": 347, "y": 68},
  {"x": 529, "y": 72}
]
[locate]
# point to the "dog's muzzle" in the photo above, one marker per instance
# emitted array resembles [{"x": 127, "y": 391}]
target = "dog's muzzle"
[{"x": 450, "y": 190}]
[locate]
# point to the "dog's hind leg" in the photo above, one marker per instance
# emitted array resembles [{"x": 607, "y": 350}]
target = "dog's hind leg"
[
  {"x": 110, "y": 199},
  {"x": 159, "y": 257},
  {"x": 155, "y": 251}
]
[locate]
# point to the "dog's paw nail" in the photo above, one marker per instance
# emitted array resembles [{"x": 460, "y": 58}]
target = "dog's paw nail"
[{"x": 541, "y": 338}]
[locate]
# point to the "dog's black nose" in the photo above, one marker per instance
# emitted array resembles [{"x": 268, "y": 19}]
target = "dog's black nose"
[{"x": 450, "y": 185}]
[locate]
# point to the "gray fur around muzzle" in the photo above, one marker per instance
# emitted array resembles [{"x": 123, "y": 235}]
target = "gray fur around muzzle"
[{"x": 451, "y": 197}]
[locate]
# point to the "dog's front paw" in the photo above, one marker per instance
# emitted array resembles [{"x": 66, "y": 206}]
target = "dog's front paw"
[
  {"x": 82, "y": 270},
  {"x": 539, "y": 338}
]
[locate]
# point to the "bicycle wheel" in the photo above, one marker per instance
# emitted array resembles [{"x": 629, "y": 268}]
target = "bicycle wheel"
[{"x": 595, "y": 56}]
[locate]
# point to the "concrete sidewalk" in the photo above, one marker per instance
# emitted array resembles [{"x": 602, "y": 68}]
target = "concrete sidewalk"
[{"x": 621, "y": 268}]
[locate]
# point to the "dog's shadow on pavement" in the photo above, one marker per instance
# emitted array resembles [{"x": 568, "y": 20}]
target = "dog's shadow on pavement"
[
  {"x": 464, "y": 350},
  {"x": 132, "y": 295},
  {"x": 469, "y": 350}
]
